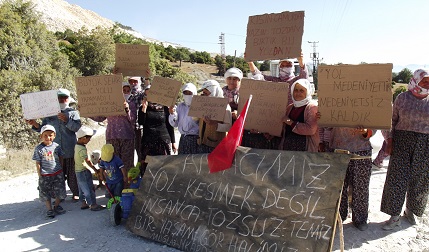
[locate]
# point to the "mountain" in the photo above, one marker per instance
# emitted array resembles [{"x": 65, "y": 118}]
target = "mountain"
[{"x": 59, "y": 15}]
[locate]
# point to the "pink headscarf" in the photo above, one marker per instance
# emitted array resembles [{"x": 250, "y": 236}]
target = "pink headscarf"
[{"x": 414, "y": 87}]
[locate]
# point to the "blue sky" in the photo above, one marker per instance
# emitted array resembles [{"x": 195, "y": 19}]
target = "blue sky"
[{"x": 347, "y": 31}]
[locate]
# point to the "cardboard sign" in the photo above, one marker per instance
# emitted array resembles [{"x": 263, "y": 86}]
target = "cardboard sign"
[
  {"x": 269, "y": 102},
  {"x": 274, "y": 36},
  {"x": 131, "y": 59},
  {"x": 268, "y": 200},
  {"x": 355, "y": 95},
  {"x": 40, "y": 104},
  {"x": 164, "y": 91},
  {"x": 213, "y": 107},
  {"x": 100, "y": 95}
]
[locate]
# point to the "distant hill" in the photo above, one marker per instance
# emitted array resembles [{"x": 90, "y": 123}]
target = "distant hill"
[{"x": 59, "y": 15}]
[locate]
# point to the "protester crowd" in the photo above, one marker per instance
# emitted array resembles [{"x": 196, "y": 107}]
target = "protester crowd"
[{"x": 147, "y": 128}]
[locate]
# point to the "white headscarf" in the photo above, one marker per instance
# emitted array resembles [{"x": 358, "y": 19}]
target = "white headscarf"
[
  {"x": 306, "y": 84},
  {"x": 214, "y": 88},
  {"x": 414, "y": 87}
]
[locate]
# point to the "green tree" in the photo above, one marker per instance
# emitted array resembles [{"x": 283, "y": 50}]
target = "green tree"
[
  {"x": 30, "y": 61},
  {"x": 404, "y": 76},
  {"x": 95, "y": 52}
]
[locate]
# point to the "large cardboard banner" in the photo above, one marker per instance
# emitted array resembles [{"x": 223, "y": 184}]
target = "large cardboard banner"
[
  {"x": 268, "y": 201},
  {"x": 40, "y": 104},
  {"x": 355, "y": 95},
  {"x": 131, "y": 59},
  {"x": 100, "y": 95},
  {"x": 213, "y": 107},
  {"x": 269, "y": 102},
  {"x": 164, "y": 91},
  {"x": 274, "y": 36}
]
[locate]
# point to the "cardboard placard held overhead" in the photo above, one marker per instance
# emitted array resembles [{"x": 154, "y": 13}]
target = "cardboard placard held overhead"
[
  {"x": 355, "y": 95},
  {"x": 274, "y": 36},
  {"x": 132, "y": 60},
  {"x": 268, "y": 107},
  {"x": 100, "y": 95},
  {"x": 40, "y": 104},
  {"x": 269, "y": 200},
  {"x": 213, "y": 107},
  {"x": 164, "y": 91}
]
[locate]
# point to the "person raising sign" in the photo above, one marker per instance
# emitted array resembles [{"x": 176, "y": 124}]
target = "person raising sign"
[{"x": 286, "y": 73}]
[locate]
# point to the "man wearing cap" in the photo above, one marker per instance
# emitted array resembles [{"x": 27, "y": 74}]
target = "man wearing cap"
[
  {"x": 286, "y": 73},
  {"x": 233, "y": 78},
  {"x": 66, "y": 124}
]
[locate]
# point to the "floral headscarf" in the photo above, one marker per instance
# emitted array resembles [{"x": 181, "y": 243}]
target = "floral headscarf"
[
  {"x": 306, "y": 84},
  {"x": 414, "y": 87}
]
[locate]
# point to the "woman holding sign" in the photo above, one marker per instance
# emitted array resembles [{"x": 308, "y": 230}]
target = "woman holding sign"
[
  {"x": 212, "y": 132},
  {"x": 407, "y": 175},
  {"x": 158, "y": 135},
  {"x": 300, "y": 131},
  {"x": 286, "y": 73},
  {"x": 187, "y": 125}
]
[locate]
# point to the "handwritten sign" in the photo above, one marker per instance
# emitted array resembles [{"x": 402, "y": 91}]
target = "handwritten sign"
[
  {"x": 164, "y": 91},
  {"x": 355, "y": 95},
  {"x": 213, "y": 107},
  {"x": 268, "y": 106},
  {"x": 40, "y": 104},
  {"x": 274, "y": 36},
  {"x": 100, "y": 95},
  {"x": 268, "y": 201},
  {"x": 132, "y": 59}
]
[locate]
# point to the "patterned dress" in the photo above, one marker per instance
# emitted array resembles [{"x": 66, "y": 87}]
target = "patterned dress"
[{"x": 408, "y": 172}]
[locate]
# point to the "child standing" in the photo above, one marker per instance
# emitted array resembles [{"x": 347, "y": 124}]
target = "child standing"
[
  {"x": 49, "y": 157},
  {"x": 83, "y": 175},
  {"x": 113, "y": 171}
]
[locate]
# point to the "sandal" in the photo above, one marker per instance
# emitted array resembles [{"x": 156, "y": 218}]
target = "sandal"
[
  {"x": 50, "y": 214},
  {"x": 97, "y": 208}
]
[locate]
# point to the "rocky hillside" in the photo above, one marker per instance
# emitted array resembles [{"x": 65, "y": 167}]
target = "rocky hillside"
[{"x": 59, "y": 15}]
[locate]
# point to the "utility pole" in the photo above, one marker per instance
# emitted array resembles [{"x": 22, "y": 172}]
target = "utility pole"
[
  {"x": 222, "y": 45},
  {"x": 314, "y": 56}
]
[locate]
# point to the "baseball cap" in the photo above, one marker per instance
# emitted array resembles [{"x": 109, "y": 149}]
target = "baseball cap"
[
  {"x": 107, "y": 152},
  {"x": 85, "y": 131},
  {"x": 47, "y": 127},
  {"x": 234, "y": 72},
  {"x": 126, "y": 84},
  {"x": 63, "y": 92}
]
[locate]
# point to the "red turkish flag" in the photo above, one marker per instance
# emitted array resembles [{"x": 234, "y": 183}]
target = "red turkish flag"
[{"x": 222, "y": 156}]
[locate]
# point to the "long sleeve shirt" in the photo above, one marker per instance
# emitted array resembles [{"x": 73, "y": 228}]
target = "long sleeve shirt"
[
  {"x": 155, "y": 124},
  {"x": 120, "y": 126},
  {"x": 185, "y": 124},
  {"x": 410, "y": 113}
]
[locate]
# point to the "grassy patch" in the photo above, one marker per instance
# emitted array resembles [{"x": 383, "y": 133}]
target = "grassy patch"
[{"x": 16, "y": 163}]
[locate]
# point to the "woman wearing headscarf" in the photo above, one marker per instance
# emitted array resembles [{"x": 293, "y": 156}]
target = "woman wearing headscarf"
[
  {"x": 407, "y": 175},
  {"x": 158, "y": 135},
  {"x": 211, "y": 132},
  {"x": 120, "y": 129},
  {"x": 300, "y": 131},
  {"x": 286, "y": 73},
  {"x": 187, "y": 125}
]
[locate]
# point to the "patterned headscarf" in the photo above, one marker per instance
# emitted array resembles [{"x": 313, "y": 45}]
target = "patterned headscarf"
[
  {"x": 306, "y": 84},
  {"x": 414, "y": 87}
]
